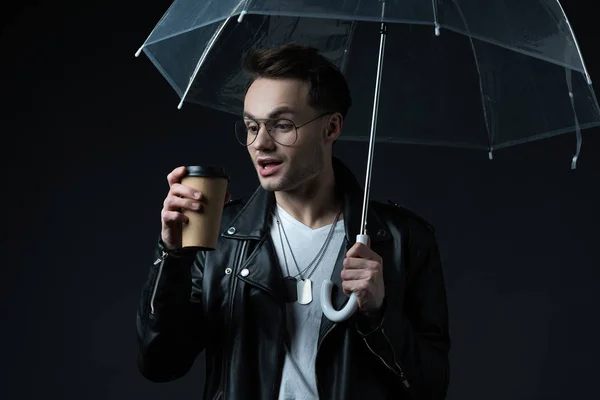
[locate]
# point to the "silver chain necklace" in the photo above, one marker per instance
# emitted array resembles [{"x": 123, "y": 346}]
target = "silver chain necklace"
[{"x": 298, "y": 288}]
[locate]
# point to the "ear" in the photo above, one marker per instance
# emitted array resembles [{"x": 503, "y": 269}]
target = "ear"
[{"x": 334, "y": 126}]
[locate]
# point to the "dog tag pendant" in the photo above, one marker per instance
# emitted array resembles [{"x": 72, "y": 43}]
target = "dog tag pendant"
[
  {"x": 290, "y": 288},
  {"x": 304, "y": 288}
]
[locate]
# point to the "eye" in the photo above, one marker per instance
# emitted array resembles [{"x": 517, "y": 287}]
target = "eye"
[
  {"x": 252, "y": 127},
  {"x": 283, "y": 126}
]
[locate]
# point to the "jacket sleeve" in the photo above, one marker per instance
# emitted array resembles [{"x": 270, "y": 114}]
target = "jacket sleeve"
[
  {"x": 411, "y": 337},
  {"x": 169, "y": 317}
]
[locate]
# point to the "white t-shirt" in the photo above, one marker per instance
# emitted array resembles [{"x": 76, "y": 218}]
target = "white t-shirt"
[{"x": 298, "y": 380}]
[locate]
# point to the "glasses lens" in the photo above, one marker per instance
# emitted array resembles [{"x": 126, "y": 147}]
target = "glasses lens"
[
  {"x": 282, "y": 131},
  {"x": 244, "y": 131}
]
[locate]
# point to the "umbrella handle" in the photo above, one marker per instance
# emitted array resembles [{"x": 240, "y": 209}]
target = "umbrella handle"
[{"x": 350, "y": 307}]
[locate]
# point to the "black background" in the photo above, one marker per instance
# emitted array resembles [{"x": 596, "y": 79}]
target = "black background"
[{"x": 89, "y": 133}]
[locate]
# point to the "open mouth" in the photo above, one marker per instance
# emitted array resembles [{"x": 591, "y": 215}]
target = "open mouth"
[
  {"x": 268, "y": 167},
  {"x": 268, "y": 164}
]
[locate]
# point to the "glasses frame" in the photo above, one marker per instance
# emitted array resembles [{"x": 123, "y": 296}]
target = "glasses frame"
[{"x": 263, "y": 121}]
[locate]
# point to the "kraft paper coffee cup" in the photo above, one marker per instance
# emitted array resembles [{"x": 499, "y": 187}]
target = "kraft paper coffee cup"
[{"x": 202, "y": 231}]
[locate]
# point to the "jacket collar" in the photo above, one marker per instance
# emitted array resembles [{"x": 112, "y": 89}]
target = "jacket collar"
[{"x": 252, "y": 221}]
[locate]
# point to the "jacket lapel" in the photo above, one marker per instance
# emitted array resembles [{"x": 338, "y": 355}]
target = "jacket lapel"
[
  {"x": 253, "y": 220},
  {"x": 260, "y": 266}
]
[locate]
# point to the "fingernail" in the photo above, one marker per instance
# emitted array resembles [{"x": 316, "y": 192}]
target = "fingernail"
[{"x": 196, "y": 194}]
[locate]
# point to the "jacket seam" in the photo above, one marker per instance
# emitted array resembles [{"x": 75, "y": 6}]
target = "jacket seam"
[
  {"x": 155, "y": 286},
  {"x": 237, "y": 262}
]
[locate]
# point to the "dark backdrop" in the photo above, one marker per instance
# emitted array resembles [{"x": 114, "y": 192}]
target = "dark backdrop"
[{"x": 89, "y": 134}]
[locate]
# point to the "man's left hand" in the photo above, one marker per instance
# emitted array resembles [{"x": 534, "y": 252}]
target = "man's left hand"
[{"x": 363, "y": 276}]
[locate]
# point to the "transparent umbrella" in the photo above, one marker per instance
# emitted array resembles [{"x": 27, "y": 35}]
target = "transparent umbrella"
[{"x": 460, "y": 73}]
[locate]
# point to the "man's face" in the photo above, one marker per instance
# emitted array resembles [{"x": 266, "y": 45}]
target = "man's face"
[{"x": 285, "y": 167}]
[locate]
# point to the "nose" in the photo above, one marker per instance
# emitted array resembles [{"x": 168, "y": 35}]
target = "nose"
[{"x": 263, "y": 140}]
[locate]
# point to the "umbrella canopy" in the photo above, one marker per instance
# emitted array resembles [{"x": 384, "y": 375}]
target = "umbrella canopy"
[
  {"x": 488, "y": 75},
  {"x": 462, "y": 73}
]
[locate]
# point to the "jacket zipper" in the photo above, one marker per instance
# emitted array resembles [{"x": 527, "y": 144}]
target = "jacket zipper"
[
  {"x": 160, "y": 260},
  {"x": 318, "y": 348},
  {"x": 400, "y": 370},
  {"x": 238, "y": 263},
  {"x": 277, "y": 383}
]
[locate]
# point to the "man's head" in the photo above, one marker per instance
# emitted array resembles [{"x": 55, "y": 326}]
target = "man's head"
[{"x": 303, "y": 99}]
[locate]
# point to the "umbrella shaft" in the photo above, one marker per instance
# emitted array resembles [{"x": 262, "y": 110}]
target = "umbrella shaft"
[{"x": 367, "y": 191}]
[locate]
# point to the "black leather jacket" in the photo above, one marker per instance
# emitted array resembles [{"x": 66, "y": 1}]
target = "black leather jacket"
[{"x": 195, "y": 302}]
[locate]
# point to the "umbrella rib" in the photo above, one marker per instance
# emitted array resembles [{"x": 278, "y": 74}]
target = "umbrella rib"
[
  {"x": 137, "y": 53},
  {"x": 585, "y": 71},
  {"x": 435, "y": 17},
  {"x": 244, "y": 11},
  {"x": 481, "y": 89},
  {"x": 209, "y": 47}
]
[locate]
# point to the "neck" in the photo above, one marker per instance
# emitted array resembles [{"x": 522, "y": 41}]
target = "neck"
[{"x": 314, "y": 203}]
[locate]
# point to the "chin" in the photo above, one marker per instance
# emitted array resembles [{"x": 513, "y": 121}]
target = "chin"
[
  {"x": 275, "y": 183},
  {"x": 271, "y": 185}
]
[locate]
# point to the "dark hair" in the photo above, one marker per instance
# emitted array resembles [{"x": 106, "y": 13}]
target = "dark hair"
[{"x": 329, "y": 90}]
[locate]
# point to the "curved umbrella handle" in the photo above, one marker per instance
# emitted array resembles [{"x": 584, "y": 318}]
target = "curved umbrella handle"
[{"x": 350, "y": 307}]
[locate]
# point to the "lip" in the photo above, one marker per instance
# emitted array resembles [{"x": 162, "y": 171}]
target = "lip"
[
  {"x": 261, "y": 160},
  {"x": 271, "y": 169}
]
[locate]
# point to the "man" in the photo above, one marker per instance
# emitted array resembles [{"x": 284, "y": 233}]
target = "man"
[{"x": 263, "y": 338}]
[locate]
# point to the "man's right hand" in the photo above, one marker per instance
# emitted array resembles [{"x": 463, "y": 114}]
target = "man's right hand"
[{"x": 179, "y": 198}]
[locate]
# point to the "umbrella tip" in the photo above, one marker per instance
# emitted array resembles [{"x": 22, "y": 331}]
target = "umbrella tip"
[
  {"x": 241, "y": 17},
  {"x": 437, "y": 29},
  {"x": 491, "y": 155},
  {"x": 137, "y": 53}
]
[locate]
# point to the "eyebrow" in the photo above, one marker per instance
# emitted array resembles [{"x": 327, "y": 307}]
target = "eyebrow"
[{"x": 274, "y": 113}]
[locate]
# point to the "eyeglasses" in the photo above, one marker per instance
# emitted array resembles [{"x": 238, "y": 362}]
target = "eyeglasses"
[{"x": 281, "y": 130}]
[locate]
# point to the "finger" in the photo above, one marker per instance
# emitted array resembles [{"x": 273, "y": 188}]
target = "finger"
[
  {"x": 359, "y": 250},
  {"x": 175, "y": 176},
  {"x": 175, "y": 203},
  {"x": 356, "y": 274},
  {"x": 171, "y": 218},
  {"x": 227, "y": 197},
  {"x": 356, "y": 287},
  {"x": 360, "y": 263},
  {"x": 185, "y": 191}
]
